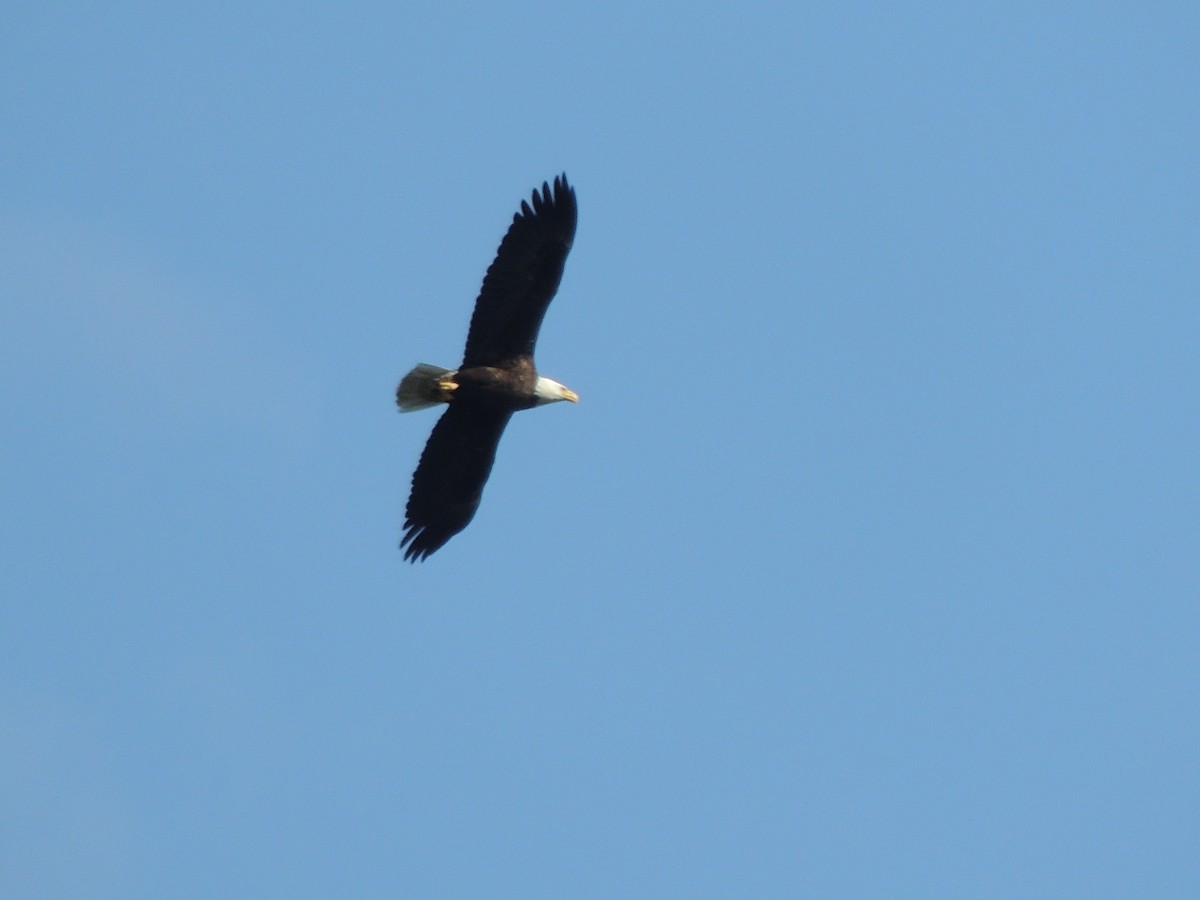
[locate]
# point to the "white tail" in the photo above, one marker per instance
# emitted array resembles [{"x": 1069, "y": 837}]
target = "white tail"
[{"x": 421, "y": 388}]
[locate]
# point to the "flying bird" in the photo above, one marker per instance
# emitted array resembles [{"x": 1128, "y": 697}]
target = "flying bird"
[{"x": 497, "y": 377}]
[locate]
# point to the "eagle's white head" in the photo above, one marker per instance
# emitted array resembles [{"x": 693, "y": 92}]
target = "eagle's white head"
[{"x": 549, "y": 391}]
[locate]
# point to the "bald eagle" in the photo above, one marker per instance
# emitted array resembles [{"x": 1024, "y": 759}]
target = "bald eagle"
[{"x": 497, "y": 376}]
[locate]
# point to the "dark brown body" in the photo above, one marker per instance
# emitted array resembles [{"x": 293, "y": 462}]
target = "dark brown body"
[{"x": 505, "y": 387}]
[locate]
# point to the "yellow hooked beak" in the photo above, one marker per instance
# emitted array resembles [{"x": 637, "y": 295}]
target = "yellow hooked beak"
[{"x": 569, "y": 394}]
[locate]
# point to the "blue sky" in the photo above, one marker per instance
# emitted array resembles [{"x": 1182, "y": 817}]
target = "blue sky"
[{"x": 866, "y": 567}]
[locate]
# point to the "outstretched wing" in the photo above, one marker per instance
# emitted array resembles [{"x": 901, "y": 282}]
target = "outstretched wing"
[
  {"x": 523, "y": 278},
  {"x": 449, "y": 480}
]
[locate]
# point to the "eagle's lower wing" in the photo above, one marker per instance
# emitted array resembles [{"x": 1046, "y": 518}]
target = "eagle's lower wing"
[{"x": 449, "y": 480}]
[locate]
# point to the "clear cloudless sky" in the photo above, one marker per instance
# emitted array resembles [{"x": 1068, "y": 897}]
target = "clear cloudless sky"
[{"x": 866, "y": 567}]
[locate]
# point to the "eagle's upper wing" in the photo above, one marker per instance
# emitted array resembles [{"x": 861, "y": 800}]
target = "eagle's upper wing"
[{"x": 523, "y": 278}]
